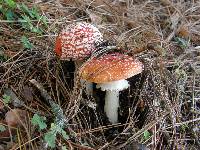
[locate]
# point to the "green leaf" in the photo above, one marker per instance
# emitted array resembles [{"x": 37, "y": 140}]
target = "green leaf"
[
  {"x": 50, "y": 138},
  {"x": 36, "y": 30},
  {"x": 6, "y": 99},
  {"x": 26, "y": 42},
  {"x": 64, "y": 134},
  {"x": 184, "y": 127},
  {"x": 2, "y": 10},
  {"x": 10, "y": 3},
  {"x": 10, "y": 15},
  {"x": 2, "y": 58},
  {"x": 55, "y": 128},
  {"x": 64, "y": 148},
  {"x": 44, "y": 20},
  {"x": 39, "y": 17},
  {"x": 181, "y": 42},
  {"x": 40, "y": 121},
  {"x": 27, "y": 19},
  {"x": 146, "y": 135},
  {"x": 35, "y": 13},
  {"x": 26, "y": 22},
  {"x": 2, "y": 128},
  {"x": 26, "y": 10}
]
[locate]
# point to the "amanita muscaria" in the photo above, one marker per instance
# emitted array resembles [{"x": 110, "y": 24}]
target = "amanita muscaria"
[
  {"x": 77, "y": 41},
  {"x": 109, "y": 71}
]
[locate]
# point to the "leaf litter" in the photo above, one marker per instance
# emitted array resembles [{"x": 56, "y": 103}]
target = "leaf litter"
[{"x": 160, "y": 110}]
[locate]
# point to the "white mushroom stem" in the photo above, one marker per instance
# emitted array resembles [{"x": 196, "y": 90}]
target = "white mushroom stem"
[
  {"x": 111, "y": 105},
  {"x": 112, "y": 97}
]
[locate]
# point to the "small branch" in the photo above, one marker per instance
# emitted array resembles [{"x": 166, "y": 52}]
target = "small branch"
[
  {"x": 44, "y": 93},
  {"x": 57, "y": 110}
]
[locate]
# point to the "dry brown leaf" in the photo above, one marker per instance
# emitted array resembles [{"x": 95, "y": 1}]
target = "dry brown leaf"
[
  {"x": 10, "y": 53},
  {"x": 27, "y": 94},
  {"x": 15, "y": 117},
  {"x": 183, "y": 32}
]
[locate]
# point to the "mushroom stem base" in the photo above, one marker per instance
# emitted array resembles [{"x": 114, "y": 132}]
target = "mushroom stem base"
[{"x": 111, "y": 105}]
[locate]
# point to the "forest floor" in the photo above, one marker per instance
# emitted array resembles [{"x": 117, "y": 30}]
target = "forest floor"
[{"x": 42, "y": 105}]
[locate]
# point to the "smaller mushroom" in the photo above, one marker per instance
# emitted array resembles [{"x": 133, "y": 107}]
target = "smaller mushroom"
[
  {"x": 77, "y": 41},
  {"x": 109, "y": 71}
]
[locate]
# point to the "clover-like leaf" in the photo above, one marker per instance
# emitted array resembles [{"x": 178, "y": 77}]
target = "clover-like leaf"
[
  {"x": 50, "y": 138},
  {"x": 40, "y": 121},
  {"x": 6, "y": 99},
  {"x": 2, "y": 128},
  {"x": 146, "y": 135}
]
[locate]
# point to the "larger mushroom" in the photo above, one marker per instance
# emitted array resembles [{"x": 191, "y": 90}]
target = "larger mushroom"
[
  {"x": 109, "y": 71},
  {"x": 77, "y": 41}
]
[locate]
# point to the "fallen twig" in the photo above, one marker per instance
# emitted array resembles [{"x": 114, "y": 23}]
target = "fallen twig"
[{"x": 57, "y": 110}]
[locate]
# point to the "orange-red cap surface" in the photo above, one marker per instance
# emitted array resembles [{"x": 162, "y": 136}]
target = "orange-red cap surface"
[
  {"x": 110, "y": 67},
  {"x": 77, "y": 41},
  {"x": 58, "y": 47}
]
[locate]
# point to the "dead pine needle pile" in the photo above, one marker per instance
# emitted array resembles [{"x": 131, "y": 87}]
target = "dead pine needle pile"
[{"x": 46, "y": 104}]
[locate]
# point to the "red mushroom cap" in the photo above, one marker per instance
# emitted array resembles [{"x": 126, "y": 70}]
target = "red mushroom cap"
[
  {"x": 110, "y": 67},
  {"x": 77, "y": 41},
  {"x": 58, "y": 47}
]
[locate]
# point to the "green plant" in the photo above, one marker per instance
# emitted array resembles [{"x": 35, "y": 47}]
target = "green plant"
[
  {"x": 3, "y": 57},
  {"x": 26, "y": 43},
  {"x": 60, "y": 120},
  {"x": 2, "y": 128},
  {"x": 64, "y": 147},
  {"x": 7, "y": 9},
  {"x": 181, "y": 42},
  {"x": 29, "y": 18},
  {"x": 6, "y": 99},
  {"x": 19, "y": 15},
  {"x": 10, "y": 3},
  {"x": 146, "y": 135},
  {"x": 184, "y": 128},
  {"x": 40, "y": 121},
  {"x": 50, "y": 136},
  {"x": 57, "y": 126}
]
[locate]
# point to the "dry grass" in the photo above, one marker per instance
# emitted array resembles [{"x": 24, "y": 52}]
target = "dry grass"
[{"x": 164, "y": 99}]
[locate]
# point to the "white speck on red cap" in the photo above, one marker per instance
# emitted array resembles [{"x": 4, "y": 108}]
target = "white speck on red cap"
[{"x": 77, "y": 41}]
